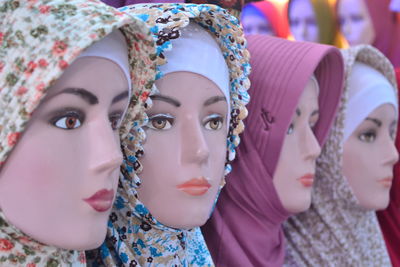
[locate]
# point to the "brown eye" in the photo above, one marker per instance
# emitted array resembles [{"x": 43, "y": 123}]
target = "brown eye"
[
  {"x": 115, "y": 121},
  {"x": 160, "y": 122},
  {"x": 368, "y": 137},
  {"x": 213, "y": 122},
  {"x": 68, "y": 122}
]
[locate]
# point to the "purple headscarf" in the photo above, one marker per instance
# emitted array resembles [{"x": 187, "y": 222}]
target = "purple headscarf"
[{"x": 245, "y": 229}]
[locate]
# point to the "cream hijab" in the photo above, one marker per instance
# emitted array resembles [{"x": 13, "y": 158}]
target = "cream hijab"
[{"x": 336, "y": 231}]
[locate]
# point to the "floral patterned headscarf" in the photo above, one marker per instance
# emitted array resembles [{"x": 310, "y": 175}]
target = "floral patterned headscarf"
[
  {"x": 336, "y": 230},
  {"x": 39, "y": 39},
  {"x": 135, "y": 237}
]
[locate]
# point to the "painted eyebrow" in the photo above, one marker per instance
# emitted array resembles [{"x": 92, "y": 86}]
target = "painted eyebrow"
[
  {"x": 120, "y": 97},
  {"x": 374, "y": 120},
  {"x": 166, "y": 99},
  {"x": 214, "y": 99},
  {"x": 315, "y": 112},
  {"x": 83, "y": 93},
  {"x": 298, "y": 112}
]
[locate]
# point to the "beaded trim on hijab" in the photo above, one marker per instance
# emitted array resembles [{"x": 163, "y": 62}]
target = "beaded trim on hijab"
[{"x": 134, "y": 236}]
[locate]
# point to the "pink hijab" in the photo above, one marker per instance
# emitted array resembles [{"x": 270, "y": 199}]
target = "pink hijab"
[
  {"x": 387, "y": 35},
  {"x": 245, "y": 229}
]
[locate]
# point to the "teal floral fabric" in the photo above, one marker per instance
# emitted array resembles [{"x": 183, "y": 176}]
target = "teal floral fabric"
[{"x": 135, "y": 237}]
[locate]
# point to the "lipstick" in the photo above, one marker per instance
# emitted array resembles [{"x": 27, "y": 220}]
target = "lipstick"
[
  {"x": 102, "y": 200},
  {"x": 386, "y": 182},
  {"x": 195, "y": 186},
  {"x": 307, "y": 180}
]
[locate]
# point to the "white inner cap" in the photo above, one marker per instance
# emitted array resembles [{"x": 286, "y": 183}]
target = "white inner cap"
[
  {"x": 198, "y": 52},
  {"x": 368, "y": 89},
  {"x": 112, "y": 47}
]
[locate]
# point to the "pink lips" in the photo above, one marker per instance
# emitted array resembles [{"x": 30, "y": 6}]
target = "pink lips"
[
  {"x": 386, "y": 182},
  {"x": 195, "y": 186},
  {"x": 307, "y": 180},
  {"x": 102, "y": 200}
]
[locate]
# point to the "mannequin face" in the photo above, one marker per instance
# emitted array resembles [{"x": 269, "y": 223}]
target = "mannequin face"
[
  {"x": 369, "y": 155},
  {"x": 355, "y": 22},
  {"x": 303, "y": 22},
  {"x": 253, "y": 24},
  {"x": 70, "y": 153},
  {"x": 185, "y": 150},
  {"x": 294, "y": 173}
]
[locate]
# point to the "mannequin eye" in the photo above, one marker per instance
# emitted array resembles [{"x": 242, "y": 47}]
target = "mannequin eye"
[
  {"x": 367, "y": 137},
  {"x": 69, "y": 121},
  {"x": 213, "y": 122},
  {"x": 160, "y": 122},
  {"x": 115, "y": 120},
  {"x": 290, "y": 129}
]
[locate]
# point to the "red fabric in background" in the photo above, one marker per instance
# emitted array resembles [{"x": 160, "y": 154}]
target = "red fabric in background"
[
  {"x": 389, "y": 218},
  {"x": 277, "y": 19}
]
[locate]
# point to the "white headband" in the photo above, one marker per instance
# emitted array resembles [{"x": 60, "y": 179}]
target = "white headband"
[
  {"x": 197, "y": 51},
  {"x": 368, "y": 89},
  {"x": 112, "y": 47}
]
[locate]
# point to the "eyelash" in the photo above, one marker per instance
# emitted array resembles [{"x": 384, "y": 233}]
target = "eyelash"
[
  {"x": 368, "y": 136},
  {"x": 75, "y": 117},
  {"x": 166, "y": 120}
]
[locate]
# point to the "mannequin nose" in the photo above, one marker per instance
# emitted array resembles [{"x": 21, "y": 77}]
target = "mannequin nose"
[
  {"x": 311, "y": 146},
  {"x": 194, "y": 145},
  {"x": 391, "y": 156},
  {"x": 304, "y": 30},
  {"x": 105, "y": 151}
]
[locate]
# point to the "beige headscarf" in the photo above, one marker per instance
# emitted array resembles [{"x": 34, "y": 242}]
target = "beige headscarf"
[
  {"x": 38, "y": 41},
  {"x": 336, "y": 231}
]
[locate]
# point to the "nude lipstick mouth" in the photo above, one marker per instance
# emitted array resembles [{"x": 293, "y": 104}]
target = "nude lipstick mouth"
[
  {"x": 195, "y": 186},
  {"x": 102, "y": 200},
  {"x": 386, "y": 182},
  {"x": 307, "y": 180}
]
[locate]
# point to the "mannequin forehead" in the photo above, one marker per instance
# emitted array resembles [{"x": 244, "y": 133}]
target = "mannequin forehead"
[
  {"x": 352, "y": 7},
  {"x": 301, "y": 8}
]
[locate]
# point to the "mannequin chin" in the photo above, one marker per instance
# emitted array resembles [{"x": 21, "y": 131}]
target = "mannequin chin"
[
  {"x": 294, "y": 173},
  {"x": 303, "y": 22},
  {"x": 355, "y": 22},
  {"x": 185, "y": 150},
  {"x": 69, "y": 152},
  {"x": 369, "y": 155}
]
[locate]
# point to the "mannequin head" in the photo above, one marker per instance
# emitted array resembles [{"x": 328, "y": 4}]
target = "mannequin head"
[
  {"x": 58, "y": 198},
  {"x": 369, "y": 152},
  {"x": 369, "y": 155},
  {"x": 255, "y": 22},
  {"x": 299, "y": 151},
  {"x": 303, "y": 21},
  {"x": 395, "y": 5},
  {"x": 355, "y": 22},
  {"x": 185, "y": 150}
]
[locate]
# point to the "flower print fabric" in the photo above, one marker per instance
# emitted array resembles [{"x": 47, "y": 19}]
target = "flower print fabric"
[
  {"x": 336, "y": 231},
  {"x": 38, "y": 41},
  {"x": 135, "y": 237}
]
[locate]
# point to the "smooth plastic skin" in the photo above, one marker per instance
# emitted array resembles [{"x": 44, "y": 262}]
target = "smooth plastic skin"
[
  {"x": 295, "y": 170},
  {"x": 369, "y": 155},
  {"x": 355, "y": 22},
  {"x": 69, "y": 152},
  {"x": 185, "y": 140},
  {"x": 303, "y": 22}
]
